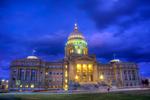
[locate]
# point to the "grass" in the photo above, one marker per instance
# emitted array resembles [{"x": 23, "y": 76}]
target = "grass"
[{"x": 132, "y": 95}]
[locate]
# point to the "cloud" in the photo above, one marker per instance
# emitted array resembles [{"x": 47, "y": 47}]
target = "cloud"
[
  {"x": 144, "y": 69},
  {"x": 3, "y": 73},
  {"x": 113, "y": 12},
  {"x": 126, "y": 46},
  {"x": 123, "y": 28}
]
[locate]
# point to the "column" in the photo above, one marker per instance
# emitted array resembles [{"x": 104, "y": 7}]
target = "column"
[
  {"x": 127, "y": 75},
  {"x": 30, "y": 74},
  {"x": 24, "y": 73},
  {"x": 17, "y": 74}
]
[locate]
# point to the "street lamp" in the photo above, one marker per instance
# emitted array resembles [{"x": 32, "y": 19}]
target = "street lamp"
[{"x": 32, "y": 85}]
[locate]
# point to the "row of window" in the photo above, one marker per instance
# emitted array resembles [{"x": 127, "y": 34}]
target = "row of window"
[
  {"x": 55, "y": 79},
  {"x": 55, "y": 73},
  {"x": 55, "y": 66},
  {"x": 129, "y": 71},
  {"x": 129, "y": 65},
  {"x": 84, "y": 68},
  {"x": 125, "y": 72},
  {"x": 106, "y": 73},
  {"x": 130, "y": 77},
  {"x": 25, "y": 74},
  {"x": 28, "y": 63},
  {"x": 55, "y": 86},
  {"x": 132, "y": 84}
]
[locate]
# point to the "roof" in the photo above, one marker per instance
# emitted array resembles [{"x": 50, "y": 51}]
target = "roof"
[
  {"x": 76, "y": 34},
  {"x": 32, "y": 57}
]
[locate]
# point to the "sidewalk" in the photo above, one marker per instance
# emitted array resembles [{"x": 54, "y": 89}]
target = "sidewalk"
[{"x": 79, "y": 91}]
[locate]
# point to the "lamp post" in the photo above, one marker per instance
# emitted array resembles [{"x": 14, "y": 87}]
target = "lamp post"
[{"x": 46, "y": 80}]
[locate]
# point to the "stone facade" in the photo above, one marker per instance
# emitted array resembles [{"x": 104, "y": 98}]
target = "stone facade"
[{"x": 78, "y": 69}]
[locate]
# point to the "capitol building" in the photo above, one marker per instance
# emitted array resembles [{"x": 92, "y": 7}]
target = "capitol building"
[{"x": 77, "y": 70}]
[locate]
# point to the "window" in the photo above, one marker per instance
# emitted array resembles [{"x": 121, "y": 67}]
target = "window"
[
  {"x": 134, "y": 84},
  {"x": 129, "y": 77},
  {"x": 90, "y": 68},
  {"x": 72, "y": 51},
  {"x": 33, "y": 75},
  {"x": 84, "y": 52},
  {"x": 126, "y": 77},
  {"x": 79, "y": 51},
  {"x": 22, "y": 74},
  {"x": 78, "y": 68},
  {"x": 66, "y": 66},
  {"x": 27, "y": 75},
  {"x": 101, "y": 77},
  {"x": 50, "y": 73},
  {"x": 14, "y": 71},
  {"x": 84, "y": 67},
  {"x": 124, "y": 72},
  {"x": 66, "y": 74}
]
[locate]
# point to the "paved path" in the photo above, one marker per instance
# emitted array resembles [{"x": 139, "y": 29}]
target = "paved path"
[{"x": 76, "y": 92}]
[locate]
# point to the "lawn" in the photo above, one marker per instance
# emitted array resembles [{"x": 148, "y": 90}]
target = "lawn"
[{"x": 132, "y": 95}]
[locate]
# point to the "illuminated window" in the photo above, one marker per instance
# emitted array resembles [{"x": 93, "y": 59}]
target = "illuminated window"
[
  {"x": 91, "y": 78},
  {"x": 6, "y": 86},
  {"x": 84, "y": 52},
  {"x": 66, "y": 74},
  {"x": 72, "y": 51},
  {"x": 66, "y": 87},
  {"x": 77, "y": 77},
  {"x": 101, "y": 77},
  {"x": 90, "y": 68},
  {"x": 78, "y": 67},
  {"x": 84, "y": 67},
  {"x": 66, "y": 66},
  {"x": 66, "y": 81},
  {"x": 76, "y": 47},
  {"x": 79, "y": 51}
]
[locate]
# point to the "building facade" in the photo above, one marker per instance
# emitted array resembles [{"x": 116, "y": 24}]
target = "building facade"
[{"x": 77, "y": 70}]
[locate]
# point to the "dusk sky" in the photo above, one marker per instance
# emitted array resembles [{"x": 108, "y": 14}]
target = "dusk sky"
[{"x": 120, "y": 27}]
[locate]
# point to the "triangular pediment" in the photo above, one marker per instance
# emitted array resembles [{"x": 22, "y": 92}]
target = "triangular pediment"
[{"x": 87, "y": 58}]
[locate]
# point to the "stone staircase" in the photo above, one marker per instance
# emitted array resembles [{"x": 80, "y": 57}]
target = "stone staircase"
[{"x": 89, "y": 86}]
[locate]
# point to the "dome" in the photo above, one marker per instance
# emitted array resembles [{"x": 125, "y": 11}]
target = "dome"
[
  {"x": 76, "y": 34},
  {"x": 32, "y": 57},
  {"x": 115, "y": 60},
  {"x": 76, "y": 37},
  {"x": 76, "y": 43}
]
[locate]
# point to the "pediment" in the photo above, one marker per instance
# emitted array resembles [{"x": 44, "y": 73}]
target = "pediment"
[{"x": 84, "y": 58}]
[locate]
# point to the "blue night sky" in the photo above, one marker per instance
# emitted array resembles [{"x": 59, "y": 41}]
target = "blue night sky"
[{"x": 110, "y": 26}]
